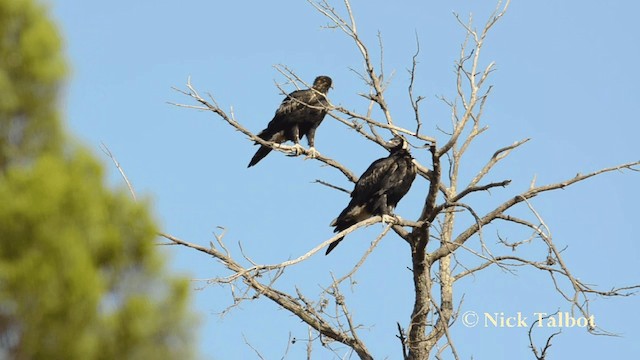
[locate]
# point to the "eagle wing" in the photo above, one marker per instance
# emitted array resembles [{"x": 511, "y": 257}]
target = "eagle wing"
[
  {"x": 377, "y": 191},
  {"x": 294, "y": 104},
  {"x": 374, "y": 180},
  {"x": 295, "y": 117}
]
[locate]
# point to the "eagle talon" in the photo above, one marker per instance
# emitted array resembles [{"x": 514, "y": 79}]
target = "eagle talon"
[
  {"x": 312, "y": 153},
  {"x": 297, "y": 149},
  {"x": 389, "y": 219}
]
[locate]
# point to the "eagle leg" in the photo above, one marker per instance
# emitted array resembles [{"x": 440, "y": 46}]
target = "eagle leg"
[{"x": 297, "y": 148}]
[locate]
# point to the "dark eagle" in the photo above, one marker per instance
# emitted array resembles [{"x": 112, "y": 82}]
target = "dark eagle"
[
  {"x": 300, "y": 114},
  {"x": 379, "y": 189}
]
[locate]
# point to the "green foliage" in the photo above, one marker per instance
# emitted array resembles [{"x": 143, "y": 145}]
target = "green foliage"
[
  {"x": 79, "y": 274},
  {"x": 31, "y": 70}
]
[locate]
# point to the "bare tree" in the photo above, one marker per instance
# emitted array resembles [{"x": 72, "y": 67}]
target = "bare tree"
[{"x": 432, "y": 237}]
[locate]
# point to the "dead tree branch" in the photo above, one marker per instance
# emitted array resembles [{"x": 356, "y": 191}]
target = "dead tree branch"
[
  {"x": 541, "y": 354},
  {"x": 499, "y": 211},
  {"x": 286, "y": 301},
  {"x": 214, "y": 107}
]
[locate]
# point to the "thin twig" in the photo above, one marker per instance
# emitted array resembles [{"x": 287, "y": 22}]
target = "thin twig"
[
  {"x": 542, "y": 354},
  {"x": 336, "y": 187},
  {"x": 108, "y": 152}
]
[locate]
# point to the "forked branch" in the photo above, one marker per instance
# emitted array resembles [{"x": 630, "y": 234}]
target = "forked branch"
[
  {"x": 288, "y": 302},
  {"x": 446, "y": 249}
]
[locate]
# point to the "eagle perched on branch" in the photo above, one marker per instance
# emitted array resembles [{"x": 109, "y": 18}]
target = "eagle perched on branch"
[
  {"x": 379, "y": 189},
  {"x": 300, "y": 114}
]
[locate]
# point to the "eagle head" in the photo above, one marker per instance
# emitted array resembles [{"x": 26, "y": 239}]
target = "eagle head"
[
  {"x": 397, "y": 143},
  {"x": 322, "y": 83}
]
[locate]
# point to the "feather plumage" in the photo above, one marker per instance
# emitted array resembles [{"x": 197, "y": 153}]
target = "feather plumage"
[
  {"x": 299, "y": 114},
  {"x": 379, "y": 189}
]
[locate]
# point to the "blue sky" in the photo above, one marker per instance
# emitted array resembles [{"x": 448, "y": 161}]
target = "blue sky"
[{"x": 566, "y": 77}]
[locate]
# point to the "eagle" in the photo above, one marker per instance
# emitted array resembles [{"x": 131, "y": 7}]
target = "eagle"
[
  {"x": 379, "y": 189},
  {"x": 300, "y": 114}
]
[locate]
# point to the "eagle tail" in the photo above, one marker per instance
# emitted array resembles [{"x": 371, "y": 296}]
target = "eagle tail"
[
  {"x": 350, "y": 216},
  {"x": 259, "y": 155},
  {"x": 333, "y": 245}
]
